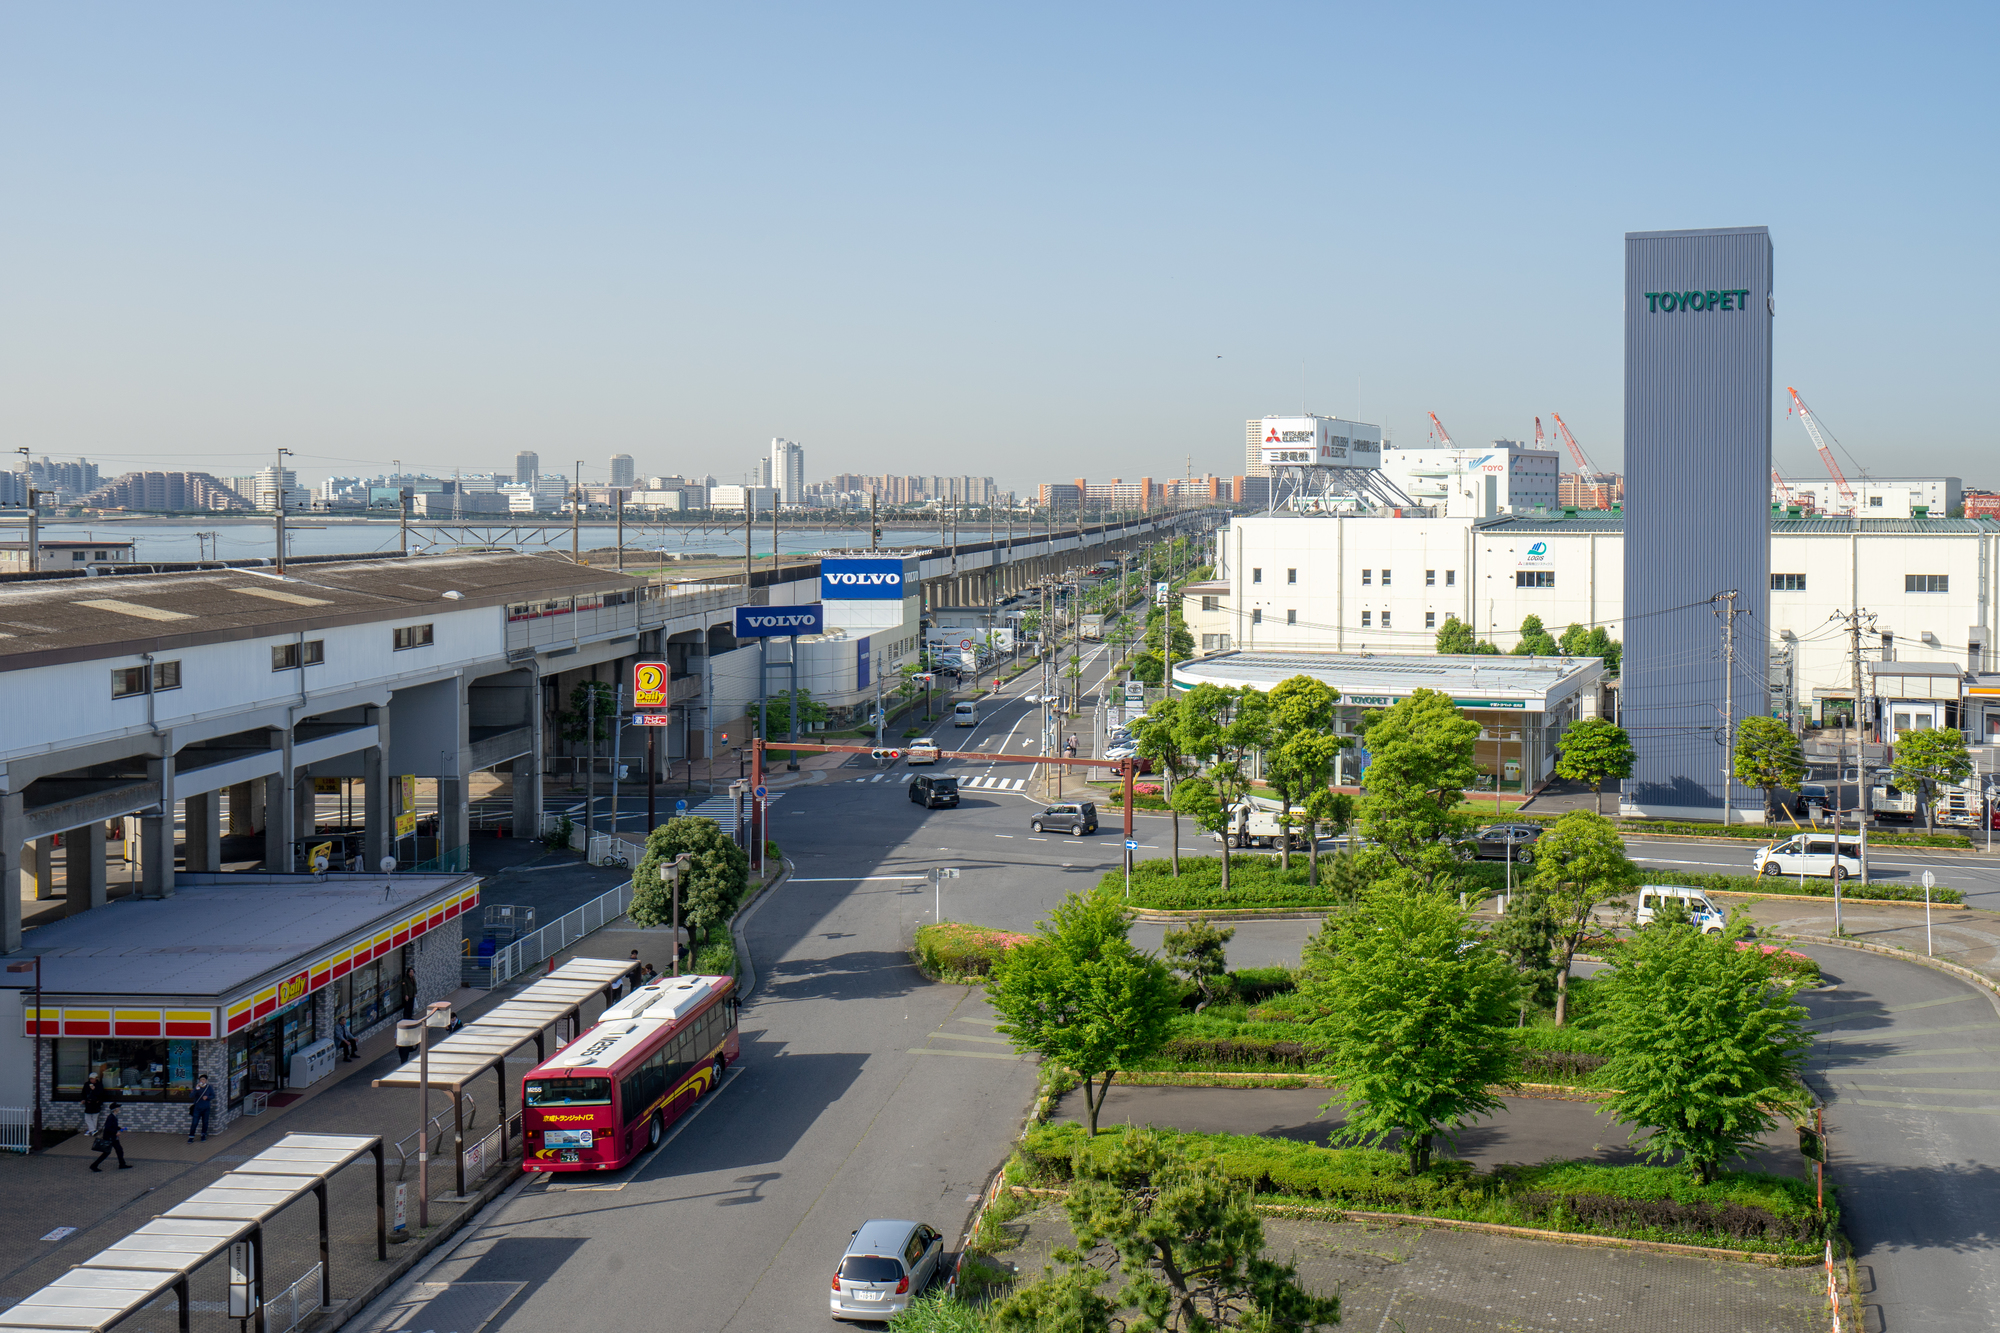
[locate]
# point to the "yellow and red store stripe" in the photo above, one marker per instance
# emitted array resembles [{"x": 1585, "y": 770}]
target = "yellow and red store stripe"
[{"x": 105, "y": 1020}]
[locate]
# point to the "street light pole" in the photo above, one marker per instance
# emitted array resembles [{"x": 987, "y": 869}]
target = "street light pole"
[
  {"x": 35, "y": 1123},
  {"x": 670, "y": 874},
  {"x": 436, "y": 1015}
]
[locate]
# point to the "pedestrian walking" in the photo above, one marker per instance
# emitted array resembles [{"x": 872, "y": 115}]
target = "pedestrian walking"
[
  {"x": 199, "y": 1106},
  {"x": 107, "y": 1142},
  {"x": 93, "y": 1103}
]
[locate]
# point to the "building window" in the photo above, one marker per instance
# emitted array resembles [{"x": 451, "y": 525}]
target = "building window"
[
  {"x": 1385, "y": 578},
  {"x": 1788, "y": 583},
  {"x": 1926, "y": 583},
  {"x": 1291, "y": 617},
  {"x": 1214, "y": 643},
  {"x": 1211, "y": 603},
  {"x": 285, "y": 656},
  {"x": 1430, "y": 578},
  {"x": 412, "y": 636},
  {"x": 129, "y": 681},
  {"x": 99, "y": 555},
  {"x": 1367, "y": 619},
  {"x": 1450, "y": 578},
  {"x": 1367, "y": 577},
  {"x": 130, "y": 1071},
  {"x": 1291, "y": 576},
  {"x": 1257, "y": 616},
  {"x": 1385, "y": 620},
  {"x": 1256, "y": 576},
  {"x": 1430, "y": 620},
  {"x": 1874, "y": 502},
  {"x": 76, "y": 555},
  {"x": 1534, "y": 578}
]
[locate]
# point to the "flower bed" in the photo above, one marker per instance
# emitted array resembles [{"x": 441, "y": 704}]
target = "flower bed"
[{"x": 957, "y": 952}]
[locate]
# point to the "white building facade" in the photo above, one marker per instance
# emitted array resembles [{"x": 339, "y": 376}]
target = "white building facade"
[
  {"x": 1499, "y": 479},
  {"x": 788, "y": 471},
  {"x": 1875, "y": 497}
]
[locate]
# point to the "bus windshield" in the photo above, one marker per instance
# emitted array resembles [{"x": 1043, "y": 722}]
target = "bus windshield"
[{"x": 569, "y": 1092}]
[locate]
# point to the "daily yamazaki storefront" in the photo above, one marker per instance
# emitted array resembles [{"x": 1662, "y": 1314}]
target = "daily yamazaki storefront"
[{"x": 384, "y": 949}]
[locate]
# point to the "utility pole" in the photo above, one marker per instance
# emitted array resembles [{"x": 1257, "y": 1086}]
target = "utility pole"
[
  {"x": 278, "y": 487},
  {"x": 618, "y": 503},
  {"x": 1728, "y": 613},
  {"x": 576, "y": 517},
  {"x": 749, "y": 522},
  {"x": 1864, "y": 796}
]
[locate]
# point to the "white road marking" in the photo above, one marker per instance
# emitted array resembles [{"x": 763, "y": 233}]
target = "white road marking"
[
  {"x": 850, "y": 879},
  {"x": 1003, "y": 835}
]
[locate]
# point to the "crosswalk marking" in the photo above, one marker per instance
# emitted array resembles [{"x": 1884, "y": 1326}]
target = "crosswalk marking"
[
  {"x": 722, "y": 809},
  {"x": 965, "y": 784}
]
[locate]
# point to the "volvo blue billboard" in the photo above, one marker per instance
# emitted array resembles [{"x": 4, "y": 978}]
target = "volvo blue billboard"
[
  {"x": 766, "y": 622},
  {"x": 861, "y": 580}
]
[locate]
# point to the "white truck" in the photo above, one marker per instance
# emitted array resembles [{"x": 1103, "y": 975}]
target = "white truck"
[
  {"x": 1253, "y": 822},
  {"x": 1091, "y": 627}
]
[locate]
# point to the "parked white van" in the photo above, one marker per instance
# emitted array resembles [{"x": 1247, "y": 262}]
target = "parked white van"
[
  {"x": 965, "y": 715},
  {"x": 1700, "y": 910},
  {"x": 1810, "y": 854}
]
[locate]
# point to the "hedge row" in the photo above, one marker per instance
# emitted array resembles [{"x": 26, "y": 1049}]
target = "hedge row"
[
  {"x": 1789, "y": 886},
  {"x": 1739, "y": 1210}
]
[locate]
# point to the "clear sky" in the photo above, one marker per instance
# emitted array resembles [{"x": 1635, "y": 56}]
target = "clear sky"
[{"x": 1028, "y": 241}]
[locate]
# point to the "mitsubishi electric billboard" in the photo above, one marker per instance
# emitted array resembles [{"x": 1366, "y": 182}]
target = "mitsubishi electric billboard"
[
  {"x": 870, "y": 580},
  {"x": 1312, "y": 441}
]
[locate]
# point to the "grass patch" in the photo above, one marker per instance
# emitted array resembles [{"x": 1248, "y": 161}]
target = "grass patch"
[
  {"x": 1788, "y": 886},
  {"x": 1740, "y": 1210},
  {"x": 935, "y": 1312},
  {"x": 716, "y": 960},
  {"x": 1257, "y": 882},
  {"x": 952, "y": 951}
]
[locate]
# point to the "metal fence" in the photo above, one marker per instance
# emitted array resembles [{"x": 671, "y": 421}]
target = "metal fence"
[
  {"x": 610, "y": 850},
  {"x": 451, "y": 861},
  {"x": 13, "y": 1129},
  {"x": 559, "y": 934},
  {"x": 295, "y": 1304}
]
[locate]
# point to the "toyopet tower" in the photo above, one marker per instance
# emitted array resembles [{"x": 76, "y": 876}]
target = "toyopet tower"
[{"x": 1698, "y": 315}]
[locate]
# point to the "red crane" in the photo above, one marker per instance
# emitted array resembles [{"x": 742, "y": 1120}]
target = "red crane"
[
  {"x": 1538, "y": 432},
  {"x": 1820, "y": 439},
  {"x": 1438, "y": 432},
  {"x": 1583, "y": 463}
]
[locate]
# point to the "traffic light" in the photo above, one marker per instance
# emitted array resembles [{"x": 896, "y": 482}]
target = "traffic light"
[{"x": 886, "y": 754}]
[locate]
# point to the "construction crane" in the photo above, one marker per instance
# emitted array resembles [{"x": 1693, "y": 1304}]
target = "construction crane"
[
  {"x": 1778, "y": 487},
  {"x": 1438, "y": 432},
  {"x": 1539, "y": 443},
  {"x": 1583, "y": 463},
  {"x": 1821, "y": 440}
]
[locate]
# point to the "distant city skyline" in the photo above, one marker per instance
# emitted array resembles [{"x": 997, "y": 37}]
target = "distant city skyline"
[{"x": 504, "y": 231}]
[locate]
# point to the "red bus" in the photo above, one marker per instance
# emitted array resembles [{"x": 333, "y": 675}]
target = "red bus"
[{"x": 609, "y": 1095}]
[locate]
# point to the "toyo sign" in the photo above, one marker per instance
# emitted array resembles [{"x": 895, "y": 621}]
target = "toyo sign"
[
  {"x": 765, "y": 622},
  {"x": 860, "y": 580},
  {"x": 1666, "y": 303}
]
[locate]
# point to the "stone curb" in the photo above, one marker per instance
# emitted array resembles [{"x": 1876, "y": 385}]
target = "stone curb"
[
  {"x": 1334, "y": 1213},
  {"x": 413, "y": 1255},
  {"x": 1709, "y": 840},
  {"x": 746, "y": 969}
]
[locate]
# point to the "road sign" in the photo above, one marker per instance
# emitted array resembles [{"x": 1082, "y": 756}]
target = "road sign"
[
  {"x": 964, "y": 644},
  {"x": 680, "y": 807},
  {"x": 1160, "y": 591},
  {"x": 1131, "y": 844},
  {"x": 649, "y": 685},
  {"x": 652, "y": 719},
  {"x": 1930, "y": 880},
  {"x": 759, "y": 793}
]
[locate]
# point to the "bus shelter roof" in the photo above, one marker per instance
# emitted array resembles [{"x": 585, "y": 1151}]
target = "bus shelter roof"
[
  {"x": 130, "y": 1274},
  {"x": 482, "y": 1045}
]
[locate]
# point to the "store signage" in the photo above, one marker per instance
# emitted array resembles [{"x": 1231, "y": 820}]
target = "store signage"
[
  {"x": 293, "y": 988},
  {"x": 1535, "y": 557},
  {"x": 406, "y": 818},
  {"x": 1368, "y": 700},
  {"x": 764, "y": 622},
  {"x": 1666, "y": 303},
  {"x": 860, "y": 580},
  {"x": 652, "y": 719},
  {"x": 1490, "y": 703},
  {"x": 649, "y": 684}
]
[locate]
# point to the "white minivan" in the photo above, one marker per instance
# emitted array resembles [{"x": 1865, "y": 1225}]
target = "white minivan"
[
  {"x": 965, "y": 715},
  {"x": 1810, "y": 854},
  {"x": 1700, "y": 910}
]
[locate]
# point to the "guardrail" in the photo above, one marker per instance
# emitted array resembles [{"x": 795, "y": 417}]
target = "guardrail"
[
  {"x": 295, "y": 1304},
  {"x": 436, "y": 1124},
  {"x": 524, "y": 953},
  {"x": 13, "y": 1129}
]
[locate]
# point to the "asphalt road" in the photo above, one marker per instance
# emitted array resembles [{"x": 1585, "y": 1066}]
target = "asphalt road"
[
  {"x": 1908, "y": 1060},
  {"x": 1974, "y": 875}
]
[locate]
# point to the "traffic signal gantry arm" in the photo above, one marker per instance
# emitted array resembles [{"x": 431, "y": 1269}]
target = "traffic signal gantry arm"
[{"x": 1124, "y": 767}]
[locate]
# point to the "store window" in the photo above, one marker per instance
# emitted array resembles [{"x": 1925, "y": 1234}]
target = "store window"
[
  {"x": 259, "y": 1056},
  {"x": 369, "y": 994},
  {"x": 131, "y": 1071}
]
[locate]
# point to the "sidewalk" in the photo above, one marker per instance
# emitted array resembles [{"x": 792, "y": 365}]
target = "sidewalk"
[{"x": 59, "y": 1214}]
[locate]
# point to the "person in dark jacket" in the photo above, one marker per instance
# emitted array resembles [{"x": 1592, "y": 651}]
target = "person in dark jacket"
[
  {"x": 107, "y": 1141},
  {"x": 93, "y": 1103},
  {"x": 198, "y": 1108}
]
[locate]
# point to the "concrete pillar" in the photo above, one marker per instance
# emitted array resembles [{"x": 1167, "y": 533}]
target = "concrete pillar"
[
  {"x": 201, "y": 816},
  {"x": 528, "y": 769},
  {"x": 277, "y": 803},
  {"x": 12, "y": 841},
  {"x": 454, "y": 814},
  {"x": 83, "y": 867},
  {"x": 246, "y": 809},
  {"x": 305, "y": 805},
  {"x": 378, "y": 797},
  {"x": 156, "y": 834},
  {"x": 39, "y": 862}
]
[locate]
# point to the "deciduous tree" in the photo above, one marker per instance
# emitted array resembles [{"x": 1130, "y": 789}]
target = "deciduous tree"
[
  {"x": 1158, "y": 737},
  {"x": 1769, "y": 756},
  {"x": 1580, "y": 866},
  {"x": 1536, "y": 641},
  {"x": 1421, "y": 763},
  {"x": 1455, "y": 636},
  {"x": 1417, "y": 1010},
  {"x": 710, "y": 889},
  {"x": 1591, "y": 751},
  {"x": 1196, "y": 951},
  {"x": 1083, "y": 995},
  {"x": 1703, "y": 1043},
  {"x": 1929, "y": 759},
  {"x": 1302, "y": 746}
]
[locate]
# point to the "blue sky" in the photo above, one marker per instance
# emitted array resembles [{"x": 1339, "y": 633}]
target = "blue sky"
[{"x": 1026, "y": 241}]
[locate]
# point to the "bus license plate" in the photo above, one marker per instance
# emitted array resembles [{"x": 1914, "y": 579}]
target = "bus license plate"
[{"x": 568, "y": 1155}]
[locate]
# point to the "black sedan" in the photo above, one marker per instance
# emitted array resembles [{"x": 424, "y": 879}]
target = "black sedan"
[{"x": 1505, "y": 842}]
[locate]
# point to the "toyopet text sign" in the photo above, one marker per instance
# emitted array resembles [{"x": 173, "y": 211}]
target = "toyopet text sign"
[
  {"x": 1667, "y": 303},
  {"x": 764, "y": 622},
  {"x": 860, "y": 581}
]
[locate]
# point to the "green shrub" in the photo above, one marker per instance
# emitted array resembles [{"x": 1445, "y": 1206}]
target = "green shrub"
[
  {"x": 936, "y": 1312},
  {"x": 716, "y": 960},
  {"x": 557, "y": 838},
  {"x": 1254, "y": 985},
  {"x": 1782, "y": 886},
  {"x": 956, "y": 951}
]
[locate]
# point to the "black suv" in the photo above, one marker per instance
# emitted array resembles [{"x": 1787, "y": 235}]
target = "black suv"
[
  {"x": 1075, "y": 818},
  {"x": 931, "y": 792},
  {"x": 1507, "y": 842}
]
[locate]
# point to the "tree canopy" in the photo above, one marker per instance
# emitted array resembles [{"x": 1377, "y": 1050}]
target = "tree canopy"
[
  {"x": 1769, "y": 756},
  {"x": 1421, "y": 761},
  {"x": 1576, "y": 641},
  {"x": 1580, "y": 866},
  {"x": 1303, "y": 744},
  {"x": 1081, "y": 994},
  {"x": 1702, "y": 1043},
  {"x": 1417, "y": 1010},
  {"x": 1157, "y": 736},
  {"x": 714, "y": 882},
  {"x": 1456, "y": 637},
  {"x": 1925, "y": 760},
  {"x": 1196, "y": 950},
  {"x": 1592, "y": 750},
  {"x": 1536, "y": 641}
]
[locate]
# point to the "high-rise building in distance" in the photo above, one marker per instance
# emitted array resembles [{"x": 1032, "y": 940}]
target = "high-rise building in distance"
[
  {"x": 1253, "y": 448},
  {"x": 788, "y": 471},
  {"x": 621, "y": 469},
  {"x": 527, "y": 465}
]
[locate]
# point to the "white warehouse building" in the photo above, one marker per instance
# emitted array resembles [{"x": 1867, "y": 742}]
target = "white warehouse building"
[
  {"x": 1502, "y": 478},
  {"x": 1385, "y": 585}
]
